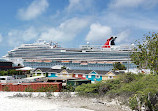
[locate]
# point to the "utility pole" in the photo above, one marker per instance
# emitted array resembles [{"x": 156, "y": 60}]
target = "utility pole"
[{"x": 128, "y": 58}]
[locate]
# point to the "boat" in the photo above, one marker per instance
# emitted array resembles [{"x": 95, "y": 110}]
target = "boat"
[{"x": 86, "y": 57}]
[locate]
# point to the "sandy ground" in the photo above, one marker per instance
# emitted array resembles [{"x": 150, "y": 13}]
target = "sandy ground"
[
  {"x": 9, "y": 101},
  {"x": 95, "y": 104}
]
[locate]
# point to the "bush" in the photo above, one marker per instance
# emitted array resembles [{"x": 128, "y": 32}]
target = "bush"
[
  {"x": 48, "y": 88},
  {"x": 148, "y": 101},
  {"x": 133, "y": 84},
  {"x": 129, "y": 77},
  {"x": 119, "y": 66},
  {"x": 97, "y": 89},
  {"x": 69, "y": 88},
  {"x": 6, "y": 88},
  {"x": 142, "y": 90},
  {"x": 29, "y": 89},
  {"x": 133, "y": 103}
]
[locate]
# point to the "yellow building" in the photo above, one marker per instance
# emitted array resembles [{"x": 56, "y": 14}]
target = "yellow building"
[
  {"x": 110, "y": 75},
  {"x": 40, "y": 72},
  {"x": 66, "y": 73}
]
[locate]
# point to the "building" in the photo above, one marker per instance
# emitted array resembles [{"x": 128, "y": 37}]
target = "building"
[
  {"x": 111, "y": 75},
  {"x": 6, "y": 65},
  {"x": 66, "y": 74}
]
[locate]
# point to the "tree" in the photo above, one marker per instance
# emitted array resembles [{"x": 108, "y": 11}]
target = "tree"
[
  {"x": 3, "y": 73},
  {"x": 12, "y": 72},
  {"x": 119, "y": 66},
  {"x": 145, "y": 55}
]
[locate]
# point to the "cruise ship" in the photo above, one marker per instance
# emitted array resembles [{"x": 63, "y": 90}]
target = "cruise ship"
[{"x": 87, "y": 57}]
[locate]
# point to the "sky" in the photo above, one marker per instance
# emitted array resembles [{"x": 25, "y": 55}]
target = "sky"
[{"x": 72, "y": 23}]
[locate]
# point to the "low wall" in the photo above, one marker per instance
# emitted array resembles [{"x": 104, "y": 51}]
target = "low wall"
[{"x": 56, "y": 87}]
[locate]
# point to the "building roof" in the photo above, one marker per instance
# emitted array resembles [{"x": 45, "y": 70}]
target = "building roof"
[
  {"x": 101, "y": 72},
  {"x": 25, "y": 69},
  {"x": 3, "y": 60},
  {"x": 82, "y": 71},
  {"x": 57, "y": 67},
  {"x": 55, "y": 70},
  {"x": 114, "y": 72},
  {"x": 43, "y": 69},
  {"x": 61, "y": 78}
]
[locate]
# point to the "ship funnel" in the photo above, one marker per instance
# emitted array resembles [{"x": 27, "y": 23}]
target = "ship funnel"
[
  {"x": 107, "y": 44},
  {"x": 113, "y": 41}
]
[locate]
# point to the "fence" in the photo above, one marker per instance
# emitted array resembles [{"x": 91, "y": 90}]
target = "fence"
[{"x": 56, "y": 87}]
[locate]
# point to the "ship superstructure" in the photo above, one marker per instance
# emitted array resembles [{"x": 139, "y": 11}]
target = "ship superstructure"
[{"x": 88, "y": 57}]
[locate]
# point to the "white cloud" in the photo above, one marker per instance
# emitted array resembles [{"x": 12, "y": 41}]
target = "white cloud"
[
  {"x": 145, "y": 23},
  {"x": 29, "y": 34},
  {"x": 74, "y": 4},
  {"x": 1, "y": 38},
  {"x": 79, "y": 5},
  {"x": 98, "y": 32},
  {"x": 135, "y": 21},
  {"x": 36, "y": 8},
  {"x": 14, "y": 42},
  {"x": 123, "y": 36},
  {"x": 115, "y": 4},
  {"x": 66, "y": 31},
  {"x": 19, "y": 36},
  {"x": 126, "y": 3},
  {"x": 52, "y": 34}
]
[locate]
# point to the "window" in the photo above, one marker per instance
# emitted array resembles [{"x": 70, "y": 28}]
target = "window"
[
  {"x": 89, "y": 76},
  {"x": 110, "y": 77},
  {"x": 97, "y": 76},
  {"x": 2, "y": 78}
]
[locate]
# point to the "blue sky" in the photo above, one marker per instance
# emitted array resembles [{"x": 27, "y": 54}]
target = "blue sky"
[{"x": 74, "y": 22}]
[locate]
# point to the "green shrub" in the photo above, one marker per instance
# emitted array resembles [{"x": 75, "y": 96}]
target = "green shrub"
[
  {"x": 97, "y": 89},
  {"x": 129, "y": 77},
  {"x": 141, "y": 89},
  {"x": 48, "y": 88},
  {"x": 69, "y": 88},
  {"x": 6, "y": 88},
  {"x": 148, "y": 101},
  {"x": 119, "y": 66},
  {"x": 131, "y": 84},
  {"x": 29, "y": 89},
  {"x": 133, "y": 103}
]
